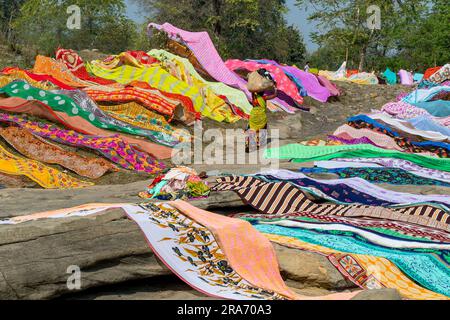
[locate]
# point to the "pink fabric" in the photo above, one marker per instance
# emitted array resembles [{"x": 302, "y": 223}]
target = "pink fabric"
[
  {"x": 381, "y": 140},
  {"x": 201, "y": 45},
  {"x": 403, "y": 110},
  {"x": 283, "y": 82},
  {"x": 329, "y": 85},
  {"x": 406, "y": 78}
]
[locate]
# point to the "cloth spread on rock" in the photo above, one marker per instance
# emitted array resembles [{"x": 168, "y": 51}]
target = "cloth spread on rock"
[
  {"x": 47, "y": 177},
  {"x": 113, "y": 148},
  {"x": 300, "y": 153},
  {"x": 367, "y": 272},
  {"x": 393, "y": 176},
  {"x": 424, "y": 268},
  {"x": 362, "y": 187},
  {"x": 219, "y": 256},
  {"x": 38, "y": 149},
  {"x": 282, "y": 197}
]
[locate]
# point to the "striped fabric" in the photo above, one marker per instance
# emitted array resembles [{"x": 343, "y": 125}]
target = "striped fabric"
[{"x": 282, "y": 198}]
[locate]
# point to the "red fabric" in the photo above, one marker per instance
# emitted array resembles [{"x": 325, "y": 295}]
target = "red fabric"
[
  {"x": 351, "y": 72},
  {"x": 143, "y": 57},
  {"x": 38, "y": 77},
  {"x": 76, "y": 65},
  {"x": 430, "y": 72}
]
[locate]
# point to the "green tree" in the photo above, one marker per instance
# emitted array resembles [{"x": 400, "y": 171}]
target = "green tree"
[
  {"x": 42, "y": 24},
  {"x": 343, "y": 28},
  {"x": 239, "y": 28}
]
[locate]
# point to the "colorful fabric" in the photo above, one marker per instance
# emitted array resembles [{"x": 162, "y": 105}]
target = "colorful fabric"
[
  {"x": 280, "y": 198},
  {"x": 438, "y": 108},
  {"x": 58, "y": 70},
  {"x": 40, "y": 78},
  {"x": 406, "y": 143},
  {"x": 258, "y": 114},
  {"x": 401, "y": 164},
  {"x": 15, "y": 75},
  {"x": 430, "y": 71},
  {"x": 390, "y": 77},
  {"x": 367, "y": 272},
  {"x": 403, "y": 110},
  {"x": 283, "y": 82},
  {"x": 363, "y": 78},
  {"x": 45, "y": 176},
  {"x": 207, "y": 251},
  {"x": 398, "y": 229},
  {"x": 426, "y": 95},
  {"x": 138, "y": 116},
  {"x": 406, "y": 78},
  {"x": 393, "y": 176},
  {"x": 97, "y": 117},
  {"x": 301, "y": 154},
  {"x": 160, "y": 79},
  {"x": 424, "y": 268},
  {"x": 363, "y": 186},
  {"x": 149, "y": 100},
  {"x": 203, "y": 49},
  {"x": 112, "y": 148},
  {"x": 378, "y": 139},
  {"x": 233, "y": 95},
  {"x": 37, "y": 108},
  {"x": 427, "y": 124},
  {"x": 442, "y": 75},
  {"x": 38, "y": 149},
  {"x": 75, "y": 64},
  {"x": 330, "y": 86}
]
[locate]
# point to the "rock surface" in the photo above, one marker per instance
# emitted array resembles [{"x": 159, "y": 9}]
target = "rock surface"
[{"x": 110, "y": 250}]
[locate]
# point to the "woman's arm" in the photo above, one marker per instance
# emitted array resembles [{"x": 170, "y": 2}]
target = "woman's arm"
[{"x": 272, "y": 96}]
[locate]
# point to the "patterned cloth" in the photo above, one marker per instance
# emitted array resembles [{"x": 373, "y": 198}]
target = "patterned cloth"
[
  {"x": 441, "y": 75},
  {"x": 112, "y": 148},
  {"x": 75, "y": 64},
  {"x": 38, "y": 149},
  {"x": 45, "y": 176},
  {"x": 281, "y": 198},
  {"x": 403, "y": 110},
  {"x": 393, "y": 176},
  {"x": 300, "y": 154},
  {"x": 367, "y": 272},
  {"x": 425, "y": 268}
]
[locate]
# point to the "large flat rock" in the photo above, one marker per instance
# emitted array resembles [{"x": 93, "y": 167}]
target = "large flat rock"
[{"x": 110, "y": 250}]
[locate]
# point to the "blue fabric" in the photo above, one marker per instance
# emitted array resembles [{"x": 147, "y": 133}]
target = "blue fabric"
[
  {"x": 390, "y": 77},
  {"x": 424, "y": 144},
  {"x": 418, "y": 77},
  {"x": 438, "y": 108},
  {"x": 424, "y": 268},
  {"x": 426, "y": 123},
  {"x": 424, "y": 95},
  {"x": 341, "y": 192}
]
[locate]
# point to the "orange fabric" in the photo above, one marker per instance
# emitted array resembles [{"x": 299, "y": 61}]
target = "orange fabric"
[
  {"x": 259, "y": 266},
  {"x": 58, "y": 70},
  {"x": 430, "y": 72}
]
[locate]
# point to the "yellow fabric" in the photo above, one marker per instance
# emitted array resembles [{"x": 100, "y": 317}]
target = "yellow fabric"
[
  {"x": 45, "y": 176},
  {"x": 381, "y": 269},
  {"x": 4, "y": 80},
  {"x": 137, "y": 115},
  {"x": 205, "y": 102},
  {"x": 258, "y": 115}
]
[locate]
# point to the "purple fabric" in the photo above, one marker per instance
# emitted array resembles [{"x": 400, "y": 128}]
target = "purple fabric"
[
  {"x": 363, "y": 140},
  {"x": 309, "y": 81},
  {"x": 366, "y": 187},
  {"x": 330, "y": 86}
]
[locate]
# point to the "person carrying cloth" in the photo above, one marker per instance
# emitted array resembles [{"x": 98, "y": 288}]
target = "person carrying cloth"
[{"x": 259, "y": 82}]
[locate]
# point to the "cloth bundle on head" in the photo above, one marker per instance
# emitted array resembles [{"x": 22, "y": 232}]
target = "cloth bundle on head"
[{"x": 260, "y": 81}]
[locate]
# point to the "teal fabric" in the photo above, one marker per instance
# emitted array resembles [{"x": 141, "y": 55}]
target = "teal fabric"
[
  {"x": 438, "y": 108},
  {"x": 391, "y": 77},
  {"x": 418, "y": 77},
  {"x": 423, "y": 267}
]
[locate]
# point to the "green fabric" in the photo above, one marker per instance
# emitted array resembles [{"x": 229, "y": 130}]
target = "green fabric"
[
  {"x": 300, "y": 153},
  {"x": 391, "y": 77},
  {"x": 235, "y": 96}
]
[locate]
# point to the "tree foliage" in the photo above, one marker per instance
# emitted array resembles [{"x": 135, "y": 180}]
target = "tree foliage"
[
  {"x": 239, "y": 28},
  {"x": 414, "y": 34}
]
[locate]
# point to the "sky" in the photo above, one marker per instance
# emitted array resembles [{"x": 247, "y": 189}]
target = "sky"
[{"x": 295, "y": 16}]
